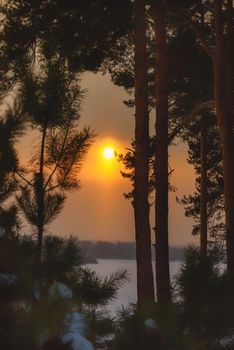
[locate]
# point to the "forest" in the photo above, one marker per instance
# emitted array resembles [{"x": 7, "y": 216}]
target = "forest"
[
  {"x": 175, "y": 60},
  {"x": 93, "y": 250}
]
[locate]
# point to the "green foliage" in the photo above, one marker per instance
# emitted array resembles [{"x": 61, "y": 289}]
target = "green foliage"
[
  {"x": 215, "y": 196},
  {"x": 200, "y": 318},
  {"x": 11, "y": 127},
  {"x": 132, "y": 331},
  {"x": 192, "y": 83},
  {"x": 101, "y": 328},
  {"x": 66, "y": 149},
  {"x": 51, "y": 99},
  {"x": 128, "y": 160},
  {"x": 42, "y": 43},
  {"x": 93, "y": 290},
  {"x": 67, "y": 28},
  {"x": 50, "y": 93},
  {"x": 28, "y": 203},
  {"x": 13, "y": 331},
  {"x": 205, "y": 302},
  {"x": 46, "y": 318},
  {"x": 132, "y": 334},
  {"x": 60, "y": 256},
  {"x": 29, "y": 315},
  {"x": 10, "y": 222},
  {"x": 12, "y": 253}
]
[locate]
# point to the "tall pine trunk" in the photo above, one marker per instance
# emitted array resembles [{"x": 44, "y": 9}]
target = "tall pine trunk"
[
  {"x": 39, "y": 192},
  {"x": 145, "y": 285},
  {"x": 223, "y": 89},
  {"x": 161, "y": 157},
  {"x": 203, "y": 188}
]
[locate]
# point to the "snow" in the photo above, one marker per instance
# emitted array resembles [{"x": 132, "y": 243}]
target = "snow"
[
  {"x": 150, "y": 324},
  {"x": 227, "y": 341},
  {"x": 37, "y": 293},
  {"x": 60, "y": 290},
  {"x": 2, "y": 232},
  {"x": 7, "y": 279},
  {"x": 78, "y": 342},
  {"x": 76, "y": 331}
]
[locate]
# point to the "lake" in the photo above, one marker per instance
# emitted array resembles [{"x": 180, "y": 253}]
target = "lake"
[{"x": 127, "y": 293}]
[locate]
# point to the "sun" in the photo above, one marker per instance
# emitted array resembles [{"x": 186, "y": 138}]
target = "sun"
[{"x": 109, "y": 153}]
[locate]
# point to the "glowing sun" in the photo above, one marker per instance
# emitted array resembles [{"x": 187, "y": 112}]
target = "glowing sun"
[{"x": 109, "y": 153}]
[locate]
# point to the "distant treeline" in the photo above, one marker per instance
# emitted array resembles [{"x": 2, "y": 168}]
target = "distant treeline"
[{"x": 120, "y": 250}]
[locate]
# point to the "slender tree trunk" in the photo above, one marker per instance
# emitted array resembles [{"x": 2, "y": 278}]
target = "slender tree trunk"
[
  {"x": 203, "y": 188},
  {"x": 39, "y": 191},
  {"x": 161, "y": 157},
  {"x": 223, "y": 89},
  {"x": 145, "y": 285}
]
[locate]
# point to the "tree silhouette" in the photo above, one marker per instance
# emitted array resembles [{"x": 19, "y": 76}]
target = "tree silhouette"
[
  {"x": 145, "y": 285},
  {"x": 52, "y": 100},
  {"x": 217, "y": 43},
  {"x": 11, "y": 127},
  {"x": 214, "y": 179},
  {"x": 161, "y": 153},
  {"x": 82, "y": 32}
]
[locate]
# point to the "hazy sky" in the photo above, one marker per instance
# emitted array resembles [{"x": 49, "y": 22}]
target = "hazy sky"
[{"x": 99, "y": 211}]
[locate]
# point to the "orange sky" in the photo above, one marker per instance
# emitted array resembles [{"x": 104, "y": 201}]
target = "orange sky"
[{"x": 99, "y": 211}]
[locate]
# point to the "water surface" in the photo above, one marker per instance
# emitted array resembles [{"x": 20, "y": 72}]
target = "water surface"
[{"x": 127, "y": 293}]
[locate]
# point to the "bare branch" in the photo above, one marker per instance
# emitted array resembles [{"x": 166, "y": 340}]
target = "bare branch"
[
  {"x": 202, "y": 106},
  {"x": 201, "y": 37}
]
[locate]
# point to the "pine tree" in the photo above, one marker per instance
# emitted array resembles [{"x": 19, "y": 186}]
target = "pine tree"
[
  {"x": 52, "y": 100},
  {"x": 11, "y": 127},
  {"x": 214, "y": 201}
]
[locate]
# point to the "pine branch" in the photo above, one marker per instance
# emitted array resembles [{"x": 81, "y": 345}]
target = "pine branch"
[
  {"x": 196, "y": 29},
  {"x": 59, "y": 160},
  {"x": 24, "y": 179},
  {"x": 202, "y": 106},
  {"x": 201, "y": 37}
]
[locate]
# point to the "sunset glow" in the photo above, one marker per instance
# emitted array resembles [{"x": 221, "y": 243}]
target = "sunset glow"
[
  {"x": 102, "y": 165},
  {"x": 109, "y": 153}
]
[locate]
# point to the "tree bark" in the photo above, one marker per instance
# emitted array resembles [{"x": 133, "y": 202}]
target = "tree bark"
[
  {"x": 203, "y": 188},
  {"x": 39, "y": 192},
  {"x": 223, "y": 90},
  {"x": 145, "y": 285},
  {"x": 161, "y": 157}
]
